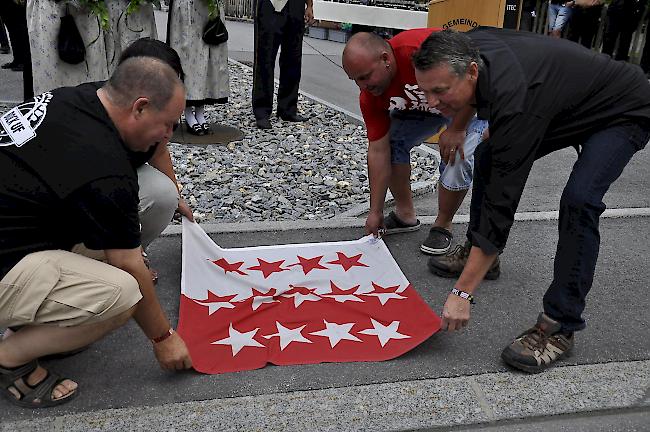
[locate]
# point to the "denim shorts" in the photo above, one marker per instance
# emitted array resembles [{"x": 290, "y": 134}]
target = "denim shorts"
[
  {"x": 410, "y": 128},
  {"x": 558, "y": 16}
]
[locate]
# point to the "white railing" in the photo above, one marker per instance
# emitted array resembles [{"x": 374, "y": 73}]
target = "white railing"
[{"x": 241, "y": 9}]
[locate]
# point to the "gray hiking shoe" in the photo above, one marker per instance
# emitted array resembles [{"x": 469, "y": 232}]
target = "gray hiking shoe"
[
  {"x": 438, "y": 241},
  {"x": 451, "y": 264},
  {"x": 539, "y": 347}
]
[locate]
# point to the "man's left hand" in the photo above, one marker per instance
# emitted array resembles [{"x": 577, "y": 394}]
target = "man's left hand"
[
  {"x": 184, "y": 209},
  {"x": 172, "y": 353},
  {"x": 455, "y": 313},
  {"x": 451, "y": 145},
  {"x": 309, "y": 16}
]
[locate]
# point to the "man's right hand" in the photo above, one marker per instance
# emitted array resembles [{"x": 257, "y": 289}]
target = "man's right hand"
[
  {"x": 374, "y": 222},
  {"x": 172, "y": 353}
]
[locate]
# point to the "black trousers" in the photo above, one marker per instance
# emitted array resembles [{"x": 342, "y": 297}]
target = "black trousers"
[
  {"x": 15, "y": 18},
  {"x": 4, "y": 41},
  {"x": 277, "y": 30},
  {"x": 584, "y": 25},
  {"x": 621, "y": 24},
  {"x": 645, "y": 58}
]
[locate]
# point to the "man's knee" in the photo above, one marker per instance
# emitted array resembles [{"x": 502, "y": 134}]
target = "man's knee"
[
  {"x": 158, "y": 193},
  {"x": 158, "y": 201}
]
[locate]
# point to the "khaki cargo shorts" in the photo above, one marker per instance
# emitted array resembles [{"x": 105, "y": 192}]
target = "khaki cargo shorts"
[{"x": 62, "y": 288}]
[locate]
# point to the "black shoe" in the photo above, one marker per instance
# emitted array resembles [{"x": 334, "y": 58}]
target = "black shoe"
[
  {"x": 263, "y": 123},
  {"x": 195, "y": 129},
  {"x": 451, "y": 264},
  {"x": 293, "y": 117},
  {"x": 538, "y": 348},
  {"x": 9, "y": 65},
  {"x": 18, "y": 67},
  {"x": 438, "y": 241},
  {"x": 394, "y": 225}
]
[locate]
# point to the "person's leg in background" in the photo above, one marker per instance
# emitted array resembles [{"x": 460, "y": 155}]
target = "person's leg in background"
[
  {"x": 645, "y": 58},
  {"x": 290, "y": 68},
  {"x": 590, "y": 28},
  {"x": 4, "y": 41},
  {"x": 613, "y": 27},
  {"x": 267, "y": 28},
  {"x": 561, "y": 15},
  {"x": 553, "y": 10}
]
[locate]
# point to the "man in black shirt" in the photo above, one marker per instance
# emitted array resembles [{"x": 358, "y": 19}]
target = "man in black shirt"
[
  {"x": 67, "y": 178},
  {"x": 539, "y": 95}
]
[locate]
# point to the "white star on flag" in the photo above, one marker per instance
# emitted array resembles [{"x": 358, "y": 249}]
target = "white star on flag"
[
  {"x": 299, "y": 298},
  {"x": 384, "y": 297},
  {"x": 288, "y": 335},
  {"x": 342, "y": 298},
  {"x": 384, "y": 333},
  {"x": 215, "y": 306},
  {"x": 260, "y": 300},
  {"x": 238, "y": 340},
  {"x": 337, "y": 332}
]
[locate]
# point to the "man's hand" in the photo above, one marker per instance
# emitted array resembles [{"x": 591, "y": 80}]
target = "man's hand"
[
  {"x": 184, "y": 209},
  {"x": 374, "y": 222},
  {"x": 172, "y": 354},
  {"x": 309, "y": 16},
  {"x": 451, "y": 145},
  {"x": 455, "y": 313}
]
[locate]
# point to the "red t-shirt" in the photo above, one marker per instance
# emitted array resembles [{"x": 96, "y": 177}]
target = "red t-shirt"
[{"x": 403, "y": 92}]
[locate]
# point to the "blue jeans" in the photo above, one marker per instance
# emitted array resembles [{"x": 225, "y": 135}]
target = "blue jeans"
[
  {"x": 558, "y": 16},
  {"x": 410, "y": 128},
  {"x": 601, "y": 161}
]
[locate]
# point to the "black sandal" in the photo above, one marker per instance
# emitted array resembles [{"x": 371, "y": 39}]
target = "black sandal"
[
  {"x": 195, "y": 129},
  {"x": 38, "y": 396}
]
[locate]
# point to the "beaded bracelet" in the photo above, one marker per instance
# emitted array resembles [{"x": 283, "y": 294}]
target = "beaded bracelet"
[{"x": 462, "y": 294}]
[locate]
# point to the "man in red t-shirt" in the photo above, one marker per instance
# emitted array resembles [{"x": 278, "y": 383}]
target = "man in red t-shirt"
[{"x": 397, "y": 119}]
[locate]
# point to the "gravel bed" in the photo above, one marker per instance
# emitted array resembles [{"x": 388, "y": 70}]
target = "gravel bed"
[
  {"x": 312, "y": 170},
  {"x": 295, "y": 171}
]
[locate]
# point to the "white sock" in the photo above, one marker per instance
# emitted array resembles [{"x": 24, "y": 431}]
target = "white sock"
[
  {"x": 199, "y": 114},
  {"x": 189, "y": 116}
]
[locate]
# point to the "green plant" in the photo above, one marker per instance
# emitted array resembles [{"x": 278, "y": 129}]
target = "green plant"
[
  {"x": 97, "y": 8},
  {"x": 134, "y": 5},
  {"x": 213, "y": 8}
]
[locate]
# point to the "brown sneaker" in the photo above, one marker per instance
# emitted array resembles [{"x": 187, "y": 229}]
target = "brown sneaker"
[
  {"x": 539, "y": 347},
  {"x": 452, "y": 263}
]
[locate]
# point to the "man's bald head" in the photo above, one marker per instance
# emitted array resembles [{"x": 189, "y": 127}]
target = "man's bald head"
[
  {"x": 364, "y": 45},
  {"x": 369, "y": 61},
  {"x": 139, "y": 77}
]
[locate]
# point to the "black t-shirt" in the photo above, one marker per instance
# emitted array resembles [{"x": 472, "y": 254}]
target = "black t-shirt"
[
  {"x": 540, "y": 94},
  {"x": 66, "y": 177}
]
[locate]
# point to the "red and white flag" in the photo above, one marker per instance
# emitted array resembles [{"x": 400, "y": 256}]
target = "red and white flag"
[{"x": 296, "y": 304}]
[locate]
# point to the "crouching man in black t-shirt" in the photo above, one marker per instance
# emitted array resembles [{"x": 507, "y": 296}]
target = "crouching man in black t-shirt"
[{"x": 66, "y": 178}]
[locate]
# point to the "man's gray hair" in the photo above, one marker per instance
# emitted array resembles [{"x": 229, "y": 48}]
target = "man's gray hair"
[
  {"x": 139, "y": 77},
  {"x": 447, "y": 47}
]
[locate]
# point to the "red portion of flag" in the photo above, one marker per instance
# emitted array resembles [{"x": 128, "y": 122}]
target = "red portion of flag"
[{"x": 359, "y": 307}]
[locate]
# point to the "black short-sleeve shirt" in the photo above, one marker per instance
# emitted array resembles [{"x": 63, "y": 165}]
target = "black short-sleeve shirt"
[{"x": 66, "y": 177}]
